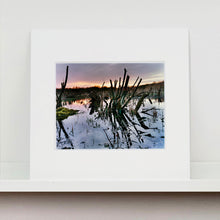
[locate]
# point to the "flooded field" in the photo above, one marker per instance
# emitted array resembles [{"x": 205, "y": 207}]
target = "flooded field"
[
  {"x": 88, "y": 129},
  {"x": 99, "y": 108}
]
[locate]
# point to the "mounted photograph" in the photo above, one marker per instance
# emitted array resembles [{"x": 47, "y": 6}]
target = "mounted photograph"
[{"x": 110, "y": 106}]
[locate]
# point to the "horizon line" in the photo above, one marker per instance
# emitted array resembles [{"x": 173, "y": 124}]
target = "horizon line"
[{"x": 98, "y": 86}]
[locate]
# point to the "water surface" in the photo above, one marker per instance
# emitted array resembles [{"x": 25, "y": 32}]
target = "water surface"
[{"x": 90, "y": 131}]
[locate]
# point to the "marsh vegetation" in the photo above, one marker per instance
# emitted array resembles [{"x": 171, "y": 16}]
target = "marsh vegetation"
[{"x": 122, "y": 116}]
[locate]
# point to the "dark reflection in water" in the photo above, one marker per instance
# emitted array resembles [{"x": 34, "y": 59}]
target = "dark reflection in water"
[
  {"x": 63, "y": 141},
  {"x": 99, "y": 127}
]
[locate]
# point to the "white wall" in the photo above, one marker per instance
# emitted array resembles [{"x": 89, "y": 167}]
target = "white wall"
[
  {"x": 19, "y": 17},
  {"x": 201, "y": 17}
]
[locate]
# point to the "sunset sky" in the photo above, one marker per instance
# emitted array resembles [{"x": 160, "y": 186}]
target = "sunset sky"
[{"x": 94, "y": 74}]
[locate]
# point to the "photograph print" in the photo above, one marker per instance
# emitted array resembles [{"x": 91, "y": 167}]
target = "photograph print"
[{"x": 110, "y": 106}]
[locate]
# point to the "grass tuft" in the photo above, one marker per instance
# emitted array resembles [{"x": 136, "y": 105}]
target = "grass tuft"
[{"x": 63, "y": 113}]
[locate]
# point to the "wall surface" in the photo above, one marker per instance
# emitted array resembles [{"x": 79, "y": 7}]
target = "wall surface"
[{"x": 19, "y": 17}]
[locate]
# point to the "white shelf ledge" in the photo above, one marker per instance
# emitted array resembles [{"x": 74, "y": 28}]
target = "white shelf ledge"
[
  {"x": 205, "y": 177},
  {"x": 110, "y": 186}
]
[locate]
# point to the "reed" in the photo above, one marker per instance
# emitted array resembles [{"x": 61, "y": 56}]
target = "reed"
[
  {"x": 63, "y": 86},
  {"x": 121, "y": 94},
  {"x": 116, "y": 110}
]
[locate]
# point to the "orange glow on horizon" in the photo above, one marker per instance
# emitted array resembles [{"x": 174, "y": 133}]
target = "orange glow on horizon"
[
  {"x": 84, "y": 84},
  {"x": 96, "y": 84}
]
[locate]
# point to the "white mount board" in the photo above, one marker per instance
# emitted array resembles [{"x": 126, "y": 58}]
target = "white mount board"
[{"x": 166, "y": 45}]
